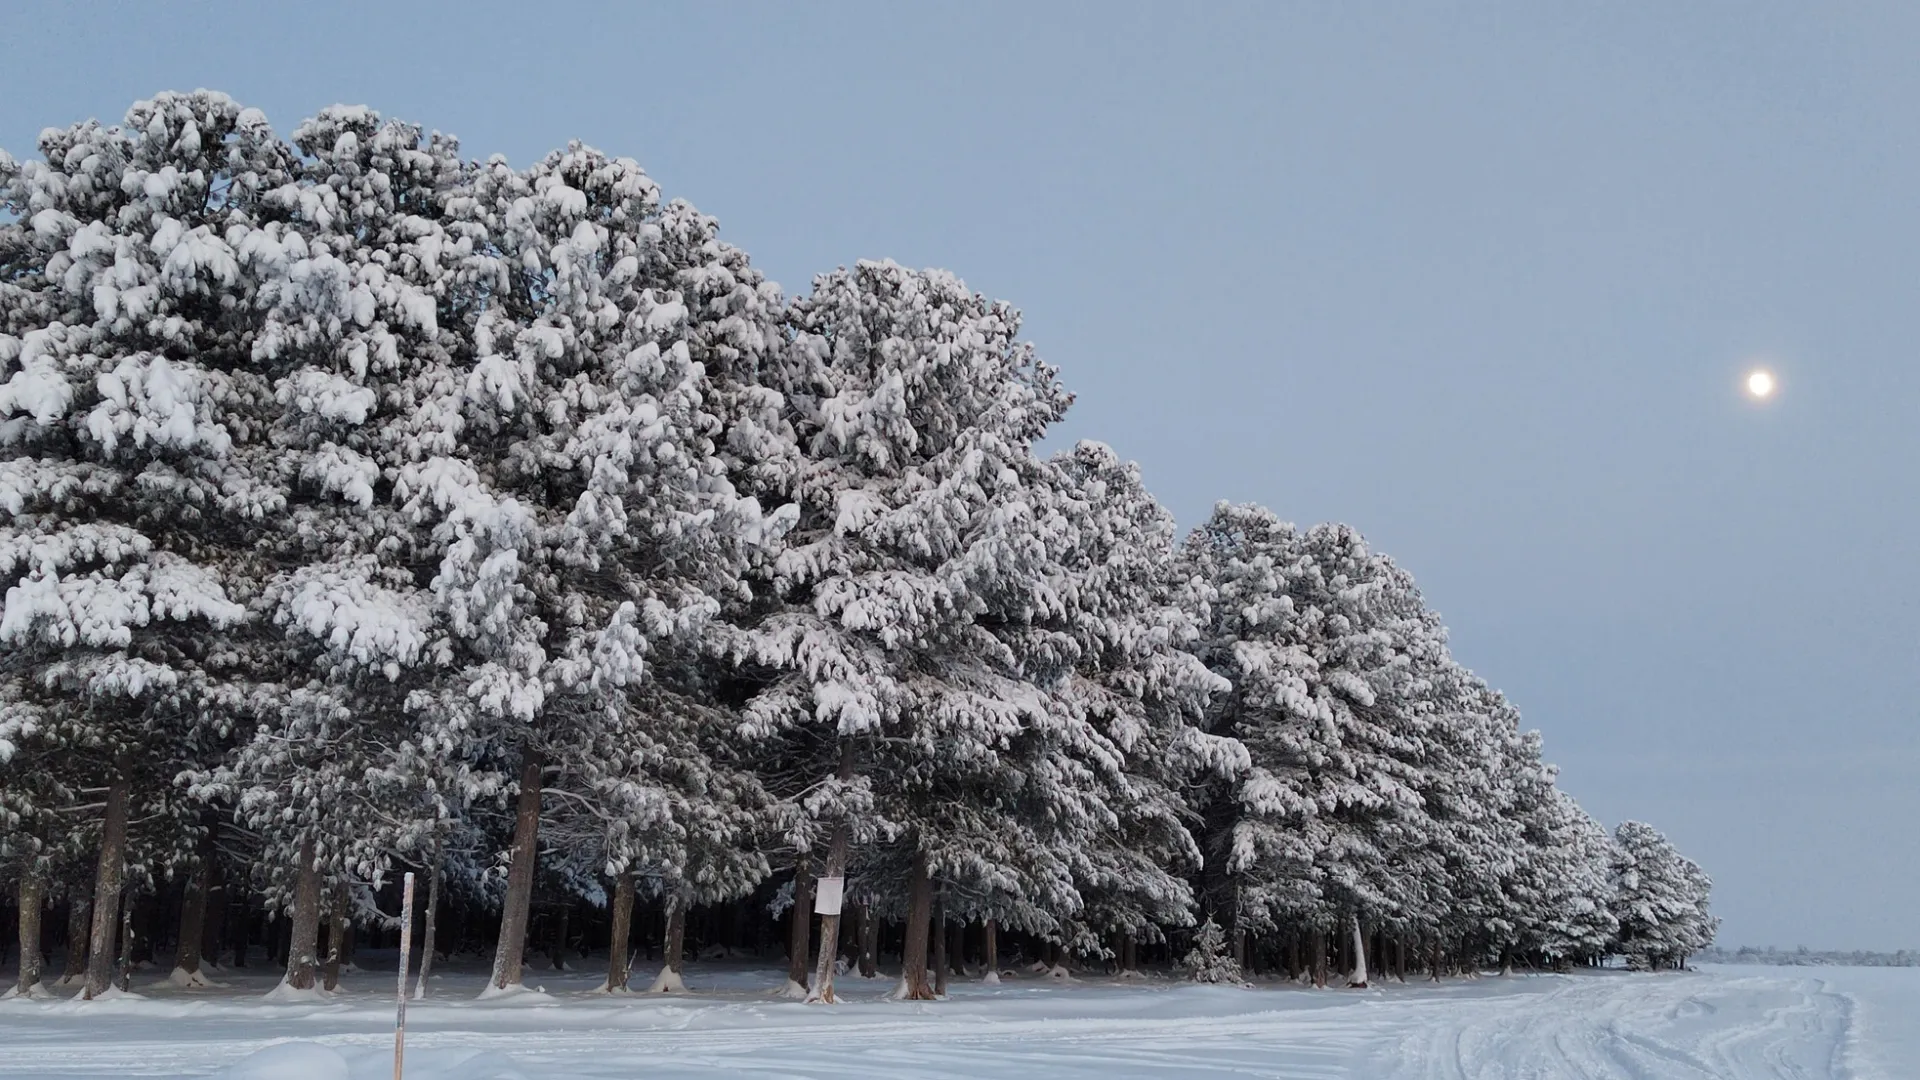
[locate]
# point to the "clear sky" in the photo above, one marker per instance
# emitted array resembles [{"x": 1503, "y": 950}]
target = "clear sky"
[{"x": 1480, "y": 279}]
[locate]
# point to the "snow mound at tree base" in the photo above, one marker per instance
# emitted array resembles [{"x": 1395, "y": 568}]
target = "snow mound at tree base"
[
  {"x": 192, "y": 980},
  {"x": 792, "y": 991},
  {"x": 668, "y": 982},
  {"x": 287, "y": 992},
  {"x": 38, "y": 992},
  {"x": 313, "y": 1061},
  {"x": 514, "y": 992}
]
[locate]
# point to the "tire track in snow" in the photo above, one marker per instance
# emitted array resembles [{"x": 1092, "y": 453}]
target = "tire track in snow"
[{"x": 1668, "y": 1027}]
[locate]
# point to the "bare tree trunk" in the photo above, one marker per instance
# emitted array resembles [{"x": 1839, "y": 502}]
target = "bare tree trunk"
[
  {"x": 303, "y": 942},
  {"x": 1358, "y": 978},
  {"x": 433, "y": 920},
  {"x": 800, "y": 930},
  {"x": 107, "y": 882},
  {"x": 1436, "y": 961},
  {"x": 869, "y": 943},
  {"x": 619, "y": 969},
  {"x": 991, "y": 946},
  {"x": 213, "y": 924},
  {"x": 913, "y": 956},
  {"x": 79, "y": 922},
  {"x": 822, "y": 990},
  {"x": 123, "y": 971},
  {"x": 559, "y": 951},
  {"x": 336, "y": 935},
  {"x": 674, "y": 950},
  {"x": 33, "y": 891},
  {"x": 1319, "y": 959},
  {"x": 939, "y": 933},
  {"x": 193, "y": 922},
  {"x": 957, "y": 950},
  {"x": 526, "y": 835}
]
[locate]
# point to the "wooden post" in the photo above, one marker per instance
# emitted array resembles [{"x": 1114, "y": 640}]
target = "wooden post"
[{"x": 400, "y": 991}]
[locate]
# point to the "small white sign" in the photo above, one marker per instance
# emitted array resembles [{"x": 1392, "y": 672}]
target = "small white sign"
[{"x": 827, "y": 893}]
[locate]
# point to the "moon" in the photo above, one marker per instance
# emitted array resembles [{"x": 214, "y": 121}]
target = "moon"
[{"x": 1761, "y": 384}]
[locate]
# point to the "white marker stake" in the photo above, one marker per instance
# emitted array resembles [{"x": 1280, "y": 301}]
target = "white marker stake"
[{"x": 406, "y": 952}]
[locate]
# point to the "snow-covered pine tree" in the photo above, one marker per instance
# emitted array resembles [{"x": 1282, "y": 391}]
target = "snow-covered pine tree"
[
  {"x": 593, "y": 432},
  {"x": 1332, "y": 656},
  {"x": 132, "y": 502},
  {"x": 1111, "y": 628},
  {"x": 1660, "y": 900},
  {"x": 916, "y": 407},
  {"x": 1210, "y": 960}
]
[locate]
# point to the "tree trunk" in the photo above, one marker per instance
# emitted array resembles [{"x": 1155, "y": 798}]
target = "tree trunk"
[
  {"x": 800, "y": 930},
  {"x": 336, "y": 936},
  {"x": 673, "y": 949},
  {"x": 303, "y": 941},
  {"x": 513, "y": 917},
  {"x": 619, "y": 967},
  {"x": 433, "y": 920},
  {"x": 213, "y": 924},
  {"x": 1436, "y": 961},
  {"x": 193, "y": 923},
  {"x": 123, "y": 971},
  {"x": 1130, "y": 953},
  {"x": 79, "y": 922},
  {"x": 1358, "y": 979},
  {"x": 1319, "y": 959},
  {"x": 957, "y": 949},
  {"x": 559, "y": 951},
  {"x": 33, "y": 890},
  {"x": 868, "y": 946},
  {"x": 939, "y": 932},
  {"x": 106, "y": 888},
  {"x": 991, "y": 947},
  {"x": 913, "y": 955},
  {"x": 822, "y": 990}
]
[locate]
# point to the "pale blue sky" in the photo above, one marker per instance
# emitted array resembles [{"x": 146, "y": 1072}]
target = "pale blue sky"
[{"x": 1479, "y": 279}]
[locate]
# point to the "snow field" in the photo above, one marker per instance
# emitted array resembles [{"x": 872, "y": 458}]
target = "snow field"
[{"x": 1743, "y": 1023}]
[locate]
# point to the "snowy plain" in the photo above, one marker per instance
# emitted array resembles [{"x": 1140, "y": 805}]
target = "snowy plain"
[{"x": 1734, "y": 1022}]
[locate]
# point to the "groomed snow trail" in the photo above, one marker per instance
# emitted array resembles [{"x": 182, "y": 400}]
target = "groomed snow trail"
[
  {"x": 1669, "y": 1027},
  {"x": 1736, "y": 1024}
]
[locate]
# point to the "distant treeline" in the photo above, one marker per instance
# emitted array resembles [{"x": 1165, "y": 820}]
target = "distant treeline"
[{"x": 1805, "y": 957}]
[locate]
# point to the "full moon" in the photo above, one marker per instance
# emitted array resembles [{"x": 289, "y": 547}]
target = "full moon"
[{"x": 1760, "y": 384}]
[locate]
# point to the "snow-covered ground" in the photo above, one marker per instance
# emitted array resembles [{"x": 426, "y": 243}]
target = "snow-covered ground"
[{"x": 1725, "y": 1022}]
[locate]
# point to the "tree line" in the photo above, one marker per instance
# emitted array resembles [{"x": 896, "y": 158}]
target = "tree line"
[{"x": 365, "y": 507}]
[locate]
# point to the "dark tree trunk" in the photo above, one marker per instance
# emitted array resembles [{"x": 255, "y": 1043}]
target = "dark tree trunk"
[
  {"x": 303, "y": 941},
  {"x": 123, "y": 972},
  {"x": 822, "y": 990},
  {"x": 336, "y": 936},
  {"x": 1319, "y": 958},
  {"x": 913, "y": 955},
  {"x": 33, "y": 888},
  {"x": 673, "y": 948},
  {"x": 868, "y": 946},
  {"x": 939, "y": 932},
  {"x": 957, "y": 948},
  {"x": 619, "y": 966},
  {"x": 513, "y": 916},
  {"x": 107, "y": 883},
  {"x": 990, "y": 946},
  {"x": 427, "y": 944},
  {"x": 559, "y": 951},
  {"x": 193, "y": 919},
  {"x": 800, "y": 928},
  {"x": 213, "y": 925},
  {"x": 79, "y": 924}
]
